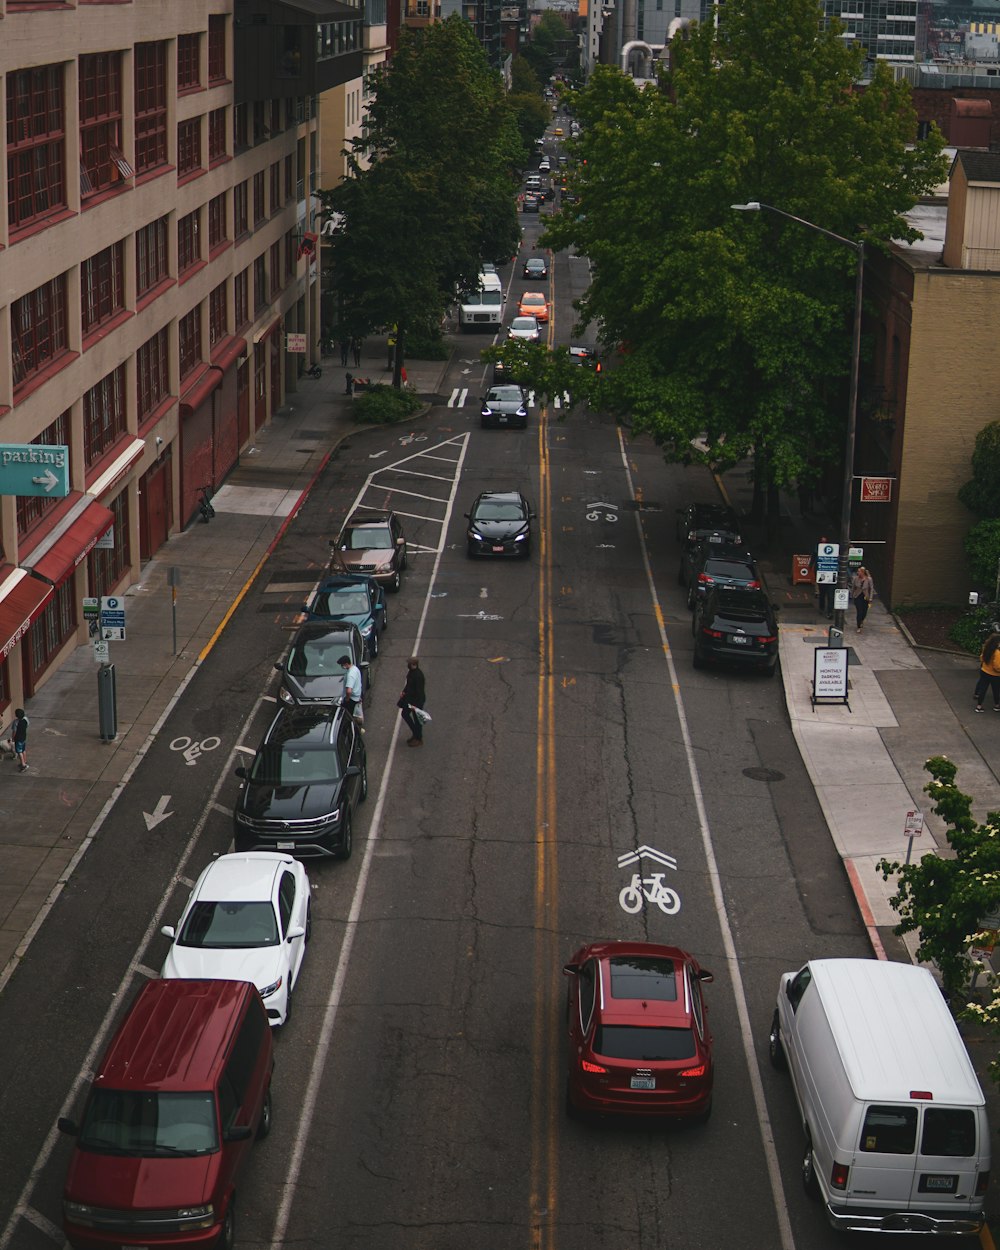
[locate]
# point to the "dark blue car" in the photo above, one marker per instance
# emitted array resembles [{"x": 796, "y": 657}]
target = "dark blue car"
[{"x": 353, "y": 598}]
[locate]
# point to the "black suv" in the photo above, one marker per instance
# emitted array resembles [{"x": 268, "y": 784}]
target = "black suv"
[
  {"x": 712, "y": 562},
  {"x": 699, "y": 520},
  {"x": 738, "y": 627},
  {"x": 311, "y": 672},
  {"x": 300, "y": 793}
]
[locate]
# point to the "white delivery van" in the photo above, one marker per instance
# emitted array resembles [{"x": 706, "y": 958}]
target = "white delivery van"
[
  {"x": 893, "y": 1115},
  {"x": 482, "y": 309}
]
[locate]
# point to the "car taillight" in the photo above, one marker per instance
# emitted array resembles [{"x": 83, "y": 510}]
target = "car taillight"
[
  {"x": 770, "y": 638},
  {"x": 711, "y": 633},
  {"x": 704, "y": 579},
  {"x": 753, "y": 585},
  {"x": 692, "y": 1072},
  {"x": 591, "y": 1067},
  {"x": 838, "y": 1175},
  {"x": 982, "y": 1183}
]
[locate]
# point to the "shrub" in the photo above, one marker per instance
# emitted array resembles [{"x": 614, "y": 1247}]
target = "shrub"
[
  {"x": 982, "y": 546},
  {"x": 971, "y": 630},
  {"x": 383, "y": 405},
  {"x": 426, "y": 344}
]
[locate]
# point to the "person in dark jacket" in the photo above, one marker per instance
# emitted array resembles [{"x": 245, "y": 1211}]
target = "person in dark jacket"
[{"x": 414, "y": 694}]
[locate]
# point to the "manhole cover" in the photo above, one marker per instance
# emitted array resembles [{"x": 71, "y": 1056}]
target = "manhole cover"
[{"x": 763, "y": 774}]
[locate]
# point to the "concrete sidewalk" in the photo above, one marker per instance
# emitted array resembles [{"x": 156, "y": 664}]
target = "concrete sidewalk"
[{"x": 50, "y": 813}]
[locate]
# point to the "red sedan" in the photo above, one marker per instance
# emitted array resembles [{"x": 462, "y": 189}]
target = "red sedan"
[{"x": 639, "y": 1042}]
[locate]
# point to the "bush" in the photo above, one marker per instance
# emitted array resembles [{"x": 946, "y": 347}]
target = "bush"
[
  {"x": 982, "y": 546},
  {"x": 383, "y": 405},
  {"x": 426, "y": 345},
  {"x": 971, "y": 630}
]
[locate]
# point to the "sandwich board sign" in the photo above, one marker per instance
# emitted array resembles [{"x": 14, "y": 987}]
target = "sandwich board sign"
[{"x": 830, "y": 675}]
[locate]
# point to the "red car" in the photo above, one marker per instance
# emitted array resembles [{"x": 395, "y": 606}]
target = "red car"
[{"x": 639, "y": 1041}]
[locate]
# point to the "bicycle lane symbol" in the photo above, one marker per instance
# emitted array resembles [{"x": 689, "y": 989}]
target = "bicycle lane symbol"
[
  {"x": 648, "y": 889},
  {"x": 191, "y": 749}
]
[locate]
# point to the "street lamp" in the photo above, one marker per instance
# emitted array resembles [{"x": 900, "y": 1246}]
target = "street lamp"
[{"x": 858, "y": 248}]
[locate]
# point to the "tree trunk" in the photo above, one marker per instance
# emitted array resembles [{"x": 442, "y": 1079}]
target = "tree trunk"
[{"x": 397, "y": 368}]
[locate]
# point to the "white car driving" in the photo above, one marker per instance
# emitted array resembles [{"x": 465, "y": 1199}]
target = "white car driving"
[{"x": 248, "y": 919}]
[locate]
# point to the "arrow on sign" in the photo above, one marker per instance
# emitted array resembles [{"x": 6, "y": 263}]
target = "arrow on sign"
[
  {"x": 48, "y": 480},
  {"x": 159, "y": 812}
]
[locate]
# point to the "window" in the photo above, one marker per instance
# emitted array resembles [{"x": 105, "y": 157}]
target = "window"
[
  {"x": 289, "y": 178},
  {"x": 106, "y": 568},
  {"x": 189, "y": 337},
  {"x": 150, "y": 106},
  {"x": 188, "y": 63},
  {"x": 798, "y": 986},
  {"x": 217, "y": 222},
  {"x": 241, "y": 225},
  {"x": 217, "y": 318},
  {"x": 217, "y": 48},
  {"x": 151, "y": 256},
  {"x": 152, "y": 374},
  {"x": 290, "y": 251},
  {"x": 259, "y": 283},
  {"x": 241, "y": 298},
  {"x": 260, "y": 130},
  {"x": 277, "y": 276},
  {"x": 101, "y": 161},
  {"x": 275, "y": 187},
  {"x": 889, "y": 1131},
  {"x": 31, "y": 508},
  {"x": 102, "y": 286},
  {"x": 188, "y": 243},
  {"x": 259, "y": 215},
  {"x": 54, "y": 627},
  {"x": 949, "y": 1132},
  {"x": 38, "y": 328},
  {"x": 103, "y": 416},
  {"x": 275, "y": 123},
  {"x": 241, "y": 128},
  {"x": 188, "y": 146},
  {"x": 216, "y": 136},
  {"x": 36, "y": 145}
]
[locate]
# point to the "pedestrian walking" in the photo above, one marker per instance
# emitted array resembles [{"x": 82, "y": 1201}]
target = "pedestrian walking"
[
  {"x": 19, "y": 737},
  {"x": 356, "y": 346},
  {"x": 414, "y": 695},
  {"x": 345, "y": 346},
  {"x": 989, "y": 673},
  {"x": 352, "y": 687},
  {"x": 862, "y": 592}
]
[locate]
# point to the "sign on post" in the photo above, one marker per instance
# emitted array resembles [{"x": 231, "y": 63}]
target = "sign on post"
[
  {"x": 113, "y": 618},
  {"x": 827, "y": 555},
  {"x": 913, "y": 827},
  {"x": 876, "y": 489},
  {"x": 830, "y": 675},
  {"x": 34, "y": 469}
]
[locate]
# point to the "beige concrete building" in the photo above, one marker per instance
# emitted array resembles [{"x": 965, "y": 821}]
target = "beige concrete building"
[{"x": 156, "y": 246}]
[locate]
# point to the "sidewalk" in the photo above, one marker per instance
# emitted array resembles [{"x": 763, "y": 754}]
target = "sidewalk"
[
  {"x": 50, "y": 813},
  {"x": 866, "y": 763}
]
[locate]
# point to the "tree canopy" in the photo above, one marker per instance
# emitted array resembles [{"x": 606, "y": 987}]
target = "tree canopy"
[
  {"x": 430, "y": 191},
  {"x": 734, "y": 326}
]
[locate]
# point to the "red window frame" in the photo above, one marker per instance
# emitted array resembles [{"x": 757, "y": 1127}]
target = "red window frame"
[
  {"x": 217, "y": 47},
  {"x": 104, "y": 416},
  {"x": 38, "y": 329},
  {"x": 106, "y": 566},
  {"x": 36, "y": 145},
  {"x": 218, "y": 315},
  {"x": 241, "y": 298},
  {"x": 102, "y": 286},
  {"x": 31, "y": 508},
  {"x": 217, "y": 133},
  {"x": 188, "y": 146},
  {"x": 241, "y": 225},
  {"x": 188, "y": 242},
  {"x": 101, "y": 162},
  {"x": 217, "y": 222},
  {"x": 150, "y": 106},
  {"x": 152, "y": 373},
  {"x": 151, "y": 259},
  {"x": 188, "y": 63},
  {"x": 189, "y": 341}
]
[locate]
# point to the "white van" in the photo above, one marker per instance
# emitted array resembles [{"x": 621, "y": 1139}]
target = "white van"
[
  {"x": 482, "y": 309},
  {"x": 893, "y": 1115}
]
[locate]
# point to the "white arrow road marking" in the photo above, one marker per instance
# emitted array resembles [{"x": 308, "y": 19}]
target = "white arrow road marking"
[
  {"x": 374, "y": 455},
  {"x": 477, "y": 616},
  {"x": 159, "y": 812}
]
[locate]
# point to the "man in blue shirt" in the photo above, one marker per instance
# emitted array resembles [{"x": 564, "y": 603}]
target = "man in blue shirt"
[{"x": 352, "y": 686}]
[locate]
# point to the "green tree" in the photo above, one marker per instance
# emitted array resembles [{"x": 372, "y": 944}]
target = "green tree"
[
  {"x": 944, "y": 900},
  {"x": 982, "y": 546},
  {"x": 736, "y": 327},
  {"x": 981, "y": 494},
  {"x": 431, "y": 185}
]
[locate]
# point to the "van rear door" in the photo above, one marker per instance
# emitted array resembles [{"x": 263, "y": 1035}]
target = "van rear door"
[
  {"x": 885, "y": 1161},
  {"x": 948, "y": 1162}
]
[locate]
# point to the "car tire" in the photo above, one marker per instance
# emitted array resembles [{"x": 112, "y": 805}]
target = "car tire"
[
  {"x": 227, "y": 1238},
  {"x": 470, "y": 551},
  {"x": 289, "y": 998},
  {"x": 704, "y": 1116},
  {"x": 396, "y": 582},
  {"x": 771, "y": 669},
  {"x": 404, "y": 564},
  {"x": 809, "y": 1182},
  {"x": 775, "y": 1048},
  {"x": 266, "y": 1116},
  {"x": 526, "y": 552},
  {"x": 680, "y": 575},
  {"x": 374, "y": 646},
  {"x": 363, "y": 791},
  {"x": 348, "y": 840}
]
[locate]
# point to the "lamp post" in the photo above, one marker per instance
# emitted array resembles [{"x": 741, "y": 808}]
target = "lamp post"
[{"x": 858, "y": 248}]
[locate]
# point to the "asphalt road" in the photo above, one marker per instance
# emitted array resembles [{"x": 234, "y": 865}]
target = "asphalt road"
[{"x": 419, "y": 1086}]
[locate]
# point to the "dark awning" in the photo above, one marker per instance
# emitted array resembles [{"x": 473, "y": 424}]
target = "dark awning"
[
  {"x": 21, "y": 599},
  {"x": 61, "y": 550}
]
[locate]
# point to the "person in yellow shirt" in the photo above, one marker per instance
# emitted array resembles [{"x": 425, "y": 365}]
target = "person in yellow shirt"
[{"x": 989, "y": 673}]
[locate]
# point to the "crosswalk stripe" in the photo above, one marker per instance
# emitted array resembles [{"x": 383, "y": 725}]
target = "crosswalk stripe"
[{"x": 458, "y": 397}]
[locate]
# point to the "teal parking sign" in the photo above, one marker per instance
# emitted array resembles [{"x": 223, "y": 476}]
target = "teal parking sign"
[{"x": 34, "y": 469}]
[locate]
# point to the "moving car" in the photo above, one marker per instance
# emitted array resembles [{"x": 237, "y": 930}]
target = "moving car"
[
  {"x": 356, "y": 599},
  {"x": 499, "y": 525},
  {"x": 504, "y": 405},
  {"x": 699, "y": 520},
  {"x": 585, "y": 357},
  {"x": 524, "y": 328},
  {"x": 558, "y": 132},
  {"x": 536, "y": 267},
  {"x": 714, "y": 563},
  {"x": 531, "y": 202},
  {"x": 300, "y": 793},
  {"x": 311, "y": 673},
  {"x": 544, "y": 165},
  {"x": 736, "y": 627},
  {"x": 534, "y": 304},
  {"x": 247, "y": 919},
  {"x": 372, "y": 543},
  {"x": 638, "y": 1035}
]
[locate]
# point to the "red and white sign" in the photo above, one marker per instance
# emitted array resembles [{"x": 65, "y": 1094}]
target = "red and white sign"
[{"x": 876, "y": 489}]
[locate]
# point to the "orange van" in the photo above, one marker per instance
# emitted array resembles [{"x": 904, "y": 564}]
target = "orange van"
[{"x": 180, "y": 1094}]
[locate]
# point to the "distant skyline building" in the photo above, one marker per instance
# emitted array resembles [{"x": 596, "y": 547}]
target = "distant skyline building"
[{"x": 886, "y": 29}]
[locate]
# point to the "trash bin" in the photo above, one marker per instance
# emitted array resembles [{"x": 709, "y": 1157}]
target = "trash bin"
[{"x": 802, "y": 570}]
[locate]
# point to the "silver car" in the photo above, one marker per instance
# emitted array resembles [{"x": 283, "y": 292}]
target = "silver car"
[
  {"x": 504, "y": 405},
  {"x": 524, "y": 330}
]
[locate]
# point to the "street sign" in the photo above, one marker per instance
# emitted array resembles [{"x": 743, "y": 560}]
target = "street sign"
[
  {"x": 841, "y": 600},
  {"x": 826, "y": 563},
  {"x": 113, "y": 618},
  {"x": 106, "y": 542},
  {"x": 34, "y": 469},
  {"x": 102, "y": 651},
  {"x": 295, "y": 343},
  {"x": 913, "y": 826}
]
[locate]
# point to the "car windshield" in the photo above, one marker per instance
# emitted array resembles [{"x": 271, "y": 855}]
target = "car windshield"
[
  {"x": 524, "y": 323},
  {"x": 229, "y": 926},
  {"x": 347, "y": 601},
  {"x": 488, "y": 299},
  {"x": 151, "y": 1125},
  {"x": 499, "y": 512},
  {"x": 318, "y": 658},
  {"x": 293, "y": 766},
  {"x": 367, "y": 538},
  {"x": 504, "y": 395},
  {"x": 533, "y": 301},
  {"x": 643, "y": 1042}
]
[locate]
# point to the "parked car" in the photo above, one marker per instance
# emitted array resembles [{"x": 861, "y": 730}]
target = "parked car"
[
  {"x": 536, "y": 267},
  {"x": 534, "y": 304},
  {"x": 356, "y": 599},
  {"x": 311, "y": 674},
  {"x": 699, "y": 520},
  {"x": 715, "y": 563},
  {"x": 504, "y": 405},
  {"x": 524, "y": 328},
  {"x": 372, "y": 543},
  {"x": 499, "y": 524},
  {"x": 300, "y": 793},
  {"x": 247, "y": 919},
  {"x": 736, "y": 627},
  {"x": 638, "y": 1036}
]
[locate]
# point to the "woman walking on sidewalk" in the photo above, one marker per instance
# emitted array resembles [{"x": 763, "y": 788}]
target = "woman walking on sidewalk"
[
  {"x": 862, "y": 592},
  {"x": 989, "y": 673}
]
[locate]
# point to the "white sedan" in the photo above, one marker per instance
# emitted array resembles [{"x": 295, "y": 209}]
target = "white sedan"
[{"x": 248, "y": 919}]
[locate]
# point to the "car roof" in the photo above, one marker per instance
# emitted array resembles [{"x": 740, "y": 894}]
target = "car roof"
[
  {"x": 520, "y": 323},
  {"x": 725, "y": 551},
  {"x": 501, "y": 496},
  {"x": 533, "y": 295},
  {"x": 651, "y": 987},
  {"x": 502, "y": 388},
  {"x": 726, "y": 599},
  {"x": 345, "y": 581},
  {"x": 329, "y": 630},
  {"x": 536, "y": 260},
  {"x": 242, "y": 878}
]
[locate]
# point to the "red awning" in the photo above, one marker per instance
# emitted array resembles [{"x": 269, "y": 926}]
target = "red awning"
[
  {"x": 228, "y": 352},
  {"x": 200, "y": 390},
  {"x": 58, "y": 554},
  {"x": 24, "y": 599}
]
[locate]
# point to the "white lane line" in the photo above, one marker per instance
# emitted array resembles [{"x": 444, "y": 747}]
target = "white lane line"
[
  {"x": 410, "y": 494},
  {"x": 443, "y": 459},
  {"x": 434, "y": 477},
  {"x": 351, "y": 929},
  {"x": 739, "y": 990}
]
